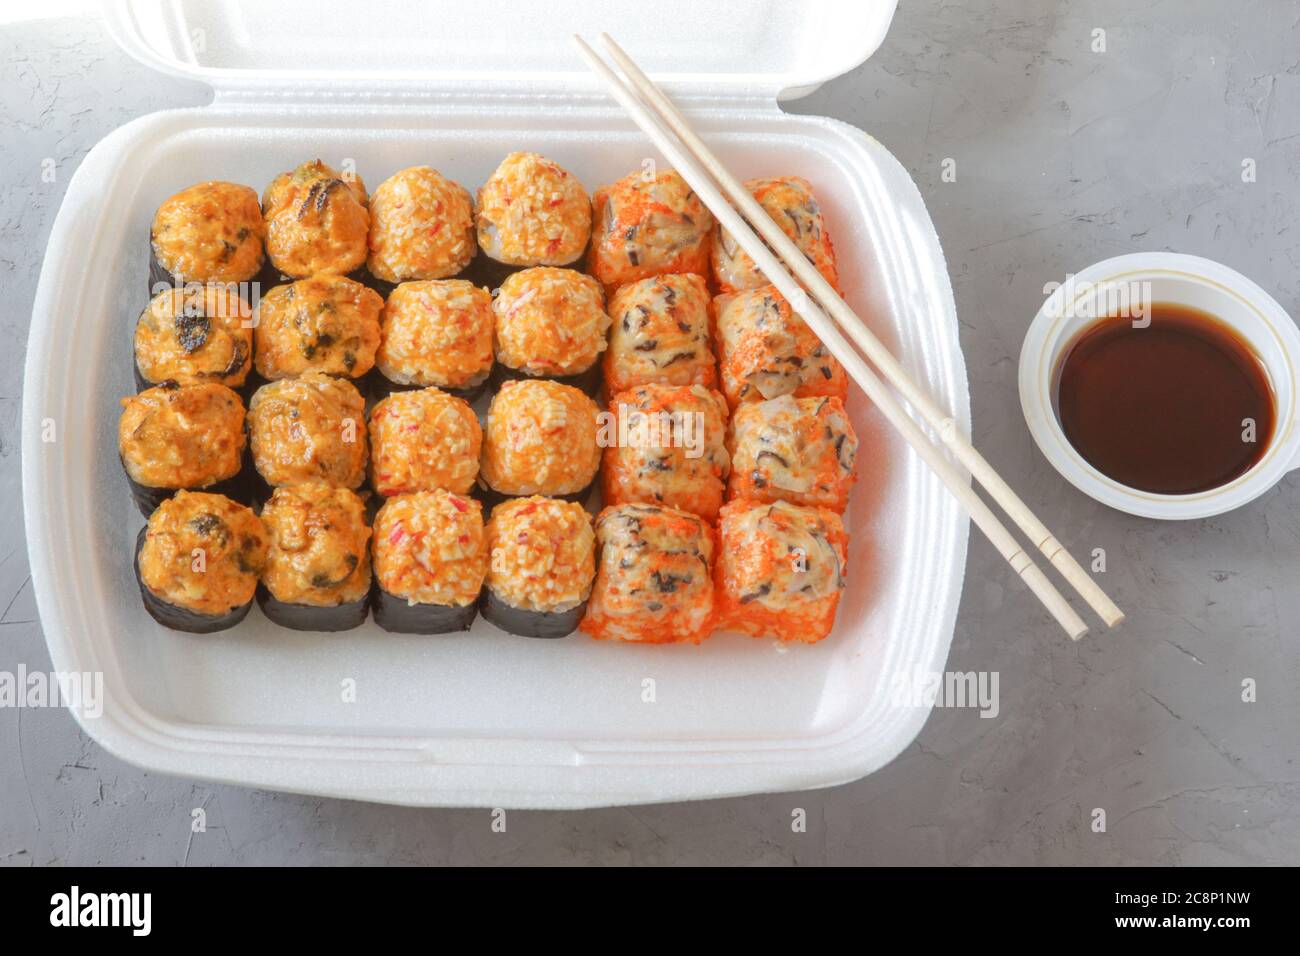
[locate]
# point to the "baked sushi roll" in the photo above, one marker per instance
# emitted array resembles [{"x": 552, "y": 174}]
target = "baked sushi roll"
[
  {"x": 430, "y": 558},
  {"x": 551, "y": 323},
  {"x": 421, "y": 227},
  {"x": 671, "y": 449},
  {"x": 423, "y": 440},
  {"x": 660, "y": 334},
  {"x": 197, "y": 562},
  {"x": 310, "y": 428},
  {"x": 540, "y": 439},
  {"x": 317, "y": 571},
  {"x": 178, "y": 437},
  {"x": 317, "y": 221},
  {"x": 645, "y": 227},
  {"x": 436, "y": 332},
  {"x": 801, "y": 450},
  {"x": 532, "y": 212},
  {"x": 790, "y": 202},
  {"x": 327, "y": 324},
  {"x": 211, "y": 232},
  {"x": 541, "y": 568},
  {"x": 197, "y": 334},
  {"x": 766, "y": 351},
  {"x": 654, "y": 577},
  {"x": 779, "y": 571}
]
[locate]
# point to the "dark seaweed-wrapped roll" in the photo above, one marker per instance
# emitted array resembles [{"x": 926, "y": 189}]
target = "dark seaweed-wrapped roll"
[
  {"x": 421, "y": 227},
  {"x": 551, "y": 323},
  {"x": 326, "y": 324},
  {"x": 192, "y": 335},
  {"x": 532, "y": 212},
  {"x": 543, "y": 562},
  {"x": 430, "y": 558},
  {"x": 182, "y": 437},
  {"x": 211, "y": 232},
  {"x": 540, "y": 439},
  {"x": 790, "y": 202},
  {"x": 436, "y": 332},
  {"x": 423, "y": 440},
  {"x": 197, "y": 562},
  {"x": 317, "y": 572},
  {"x": 317, "y": 220},
  {"x": 310, "y": 428}
]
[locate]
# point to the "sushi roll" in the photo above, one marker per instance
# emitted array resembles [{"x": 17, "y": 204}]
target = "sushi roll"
[
  {"x": 780, "y": 570},
  {"x": 790, "y": 202},
  {"x": 327, "y": 324},
  {"x": 766, "y": 351},
  {"x": 421, "y": 227},
  {"x": 311, "y": 428},
  {"x": 317, "y": 571},
  {"x": 540, "y": 439},
  {"x": 423, "y": 440},
  {"x": 654, "y": 577},
  {"x": 211, "y": 232},
  {"x": 647, "y": 226},
  {"x": 197, "y": 562},
  {"x": 670, "y": 449},
  {"x": 437, "y": 332},
  {"x": 551, "y": 323},
  {"x": 198, "y": 334},
  {"x": 660, "y": 334},
  {"x": 532, "y": 212},
  {"x": 317, "y": 220},
  {"x": 430, "y": 558},
  {"x": 541, "y": 567},
  {"x": 182, "y": 437},
  {"x": 801, "y": 450}
]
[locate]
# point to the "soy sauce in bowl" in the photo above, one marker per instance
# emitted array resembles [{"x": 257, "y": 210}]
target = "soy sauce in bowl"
[{"x": 1180, "y": 406}]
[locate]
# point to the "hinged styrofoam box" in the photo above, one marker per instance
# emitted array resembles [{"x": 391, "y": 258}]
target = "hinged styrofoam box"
[{"x": 484, "y": 718}]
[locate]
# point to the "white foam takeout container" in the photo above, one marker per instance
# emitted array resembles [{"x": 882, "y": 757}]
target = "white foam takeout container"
[{"x": 484, "y": 718}]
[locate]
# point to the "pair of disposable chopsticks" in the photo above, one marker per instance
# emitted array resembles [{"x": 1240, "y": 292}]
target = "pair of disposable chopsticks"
[{"x": 657, "y": 116}]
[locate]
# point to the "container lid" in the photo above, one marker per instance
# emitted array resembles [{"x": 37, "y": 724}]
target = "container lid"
[{"x": 737, "y": 47}]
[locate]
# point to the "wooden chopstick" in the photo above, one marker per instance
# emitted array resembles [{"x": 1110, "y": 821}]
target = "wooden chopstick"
[
  {"x": 853, "y": 363},
  {"x": 862, "y": 336}
]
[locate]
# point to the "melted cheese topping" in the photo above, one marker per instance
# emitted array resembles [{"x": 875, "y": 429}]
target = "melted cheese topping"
[
  {"x": 801, "y": 450},
  {"x": 780, "y": 570},
  {"x": 430, "y": 548},
  {"x": 542, "y": 554},
  {"x": 316, "y": 221},
  {"x": 203, "y": 552},
  {"x": 540, "y": 439},
  {"x": 550, "y": 321},
  {"x": 437, "y": 333},
  {"x": 661, "y": 334},
  {"x": 311, "y": 428},
  {"x": 324, "y": 324},
  {"x": 533, "y": 212},
  {"x": 423, "y": 440},
  {"x": 211, "y": 232},
  {"x": 190, "y": 436},
  {"x": 654, "y": 582},
  {"x": 790, "y": 202},
  {"x": 421, "y": 226},
  {"x": 195, "y": 334},
  {"x": 645, "y": 227},
  {"x": 768, "y": 351},
  {"x": 674, "y": 451},
  {"x": 319, "y": 552}
]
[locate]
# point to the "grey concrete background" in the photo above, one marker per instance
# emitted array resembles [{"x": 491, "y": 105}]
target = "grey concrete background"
[{"x": 1064, "y": 156}]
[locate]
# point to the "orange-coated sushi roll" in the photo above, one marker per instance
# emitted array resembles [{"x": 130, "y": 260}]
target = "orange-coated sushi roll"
[
  {"x": 210, "y": 232},
  {"x": 310, "y": 428},
  {"x": 541, "y": 439},
  {"x": 551, "y": 323},
  {"x": 779, "y": 571},
  {"x": 801, "y": 450},
  {"x": 316, "y": 221},
  {"x": 790, "y": 202},
  {"x": 327, "y": 323},
  {"x": 437, "y": 332},
  {"x": 194, "y": 335},
  {"x": 645, "y": 226},
  {"x": 421, "y": 227},
  {"x": 660, "y": 334},
  {"x": 532, "y": 212},
  {"x": 422, "y": 440}
]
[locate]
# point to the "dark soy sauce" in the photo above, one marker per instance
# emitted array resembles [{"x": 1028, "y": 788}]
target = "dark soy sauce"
[{"x": 1161, "y": 408}]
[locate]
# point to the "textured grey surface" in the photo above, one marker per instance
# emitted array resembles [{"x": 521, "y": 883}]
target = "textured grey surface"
[{"x": 1063, "y": 156}]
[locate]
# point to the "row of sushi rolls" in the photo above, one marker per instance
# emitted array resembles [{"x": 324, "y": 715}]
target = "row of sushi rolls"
[{"x": 317, "y": 450}]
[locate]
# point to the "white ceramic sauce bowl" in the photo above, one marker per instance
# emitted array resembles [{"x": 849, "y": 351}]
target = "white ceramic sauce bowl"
[{"x": 1182, "y": 280}]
